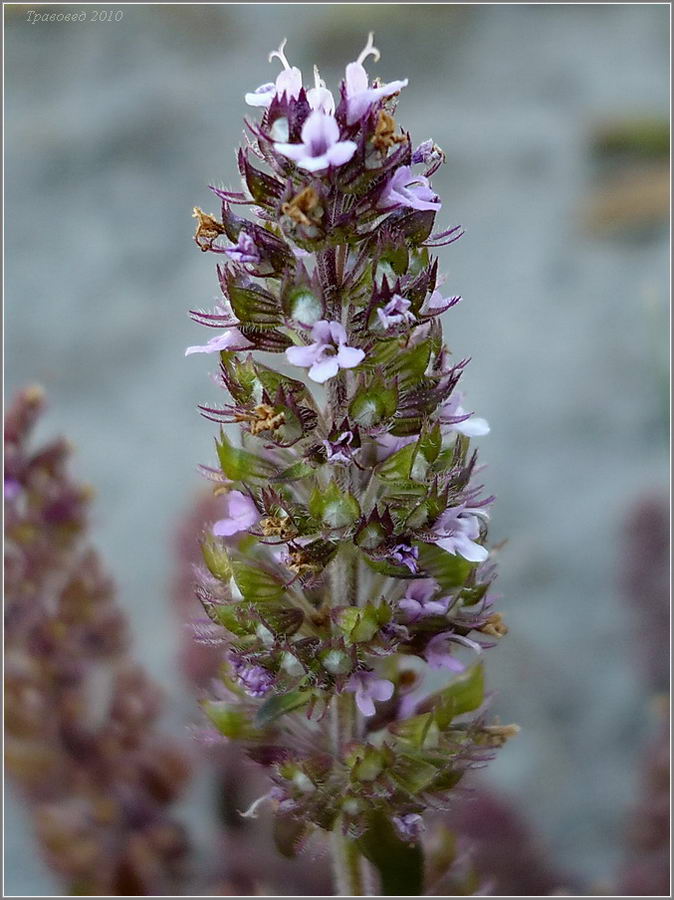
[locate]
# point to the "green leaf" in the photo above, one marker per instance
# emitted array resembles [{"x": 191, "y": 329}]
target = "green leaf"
[
  {"x": 232, "y": 616},
  {"x": 413, "y": 773},
  {"x": 410, "y": 365},
  {"x": 231, "y": 721},
  {"x": 400, "y": 865},
  {"x": 272, "y": 380},
  {"x": 416, "y": 226},
  {"x": 239, "y": 465},
  {"x": 293, "y": 473},
  {"x": 361, "y": 624},
  {"x": 255, "y": 583},
  {"x": 414, "y": 729},
  {"x": 464, "y": 694},
  {"x": 449, "y": 569},
  {"x": 279, "y": 705},
  {"x": 242, "y": 381},
  {"x": 216, "y": 558},
  {"x": 430, "y": 443},
  {"x": 333, "y": 507},
  {"x": 373, "y": 403},
  {"x": 253, "y": 305},
  {"x": 399, "y": 464}
]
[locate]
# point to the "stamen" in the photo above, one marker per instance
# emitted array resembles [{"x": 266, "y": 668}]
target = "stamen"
[
  {"x": 251, "y": 812},
  {"x": 279, "y": 54},
  {"x": 318, "y": 81},
  {"x": 369, "y": 50}
]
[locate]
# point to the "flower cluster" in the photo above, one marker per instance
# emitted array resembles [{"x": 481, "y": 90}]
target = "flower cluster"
[
  {"x": 349, "y": 560},
  {"x": 80, "y": 735}
]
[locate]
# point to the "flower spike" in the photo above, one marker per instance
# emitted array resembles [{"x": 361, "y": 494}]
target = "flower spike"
[{"x": 352, "y": 534}]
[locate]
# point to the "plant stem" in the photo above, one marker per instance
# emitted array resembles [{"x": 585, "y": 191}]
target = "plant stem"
[{"x": 347, "y": 863}]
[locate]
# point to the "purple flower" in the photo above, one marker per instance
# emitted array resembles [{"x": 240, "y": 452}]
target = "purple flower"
[
  {"x": 245, "y": 250},
  {"x": 232, "y": 339},
  {"x": 396, "y": 312},
  {"x": 328, "y": 354},
  {"x": 456, "y": 531},
  {"x": 409, "y": 826},
  {"x": 418, "y": 601},
  {"x": 255, "y": 680},
  {"x": 406, "y": 555},
  {"x": 340, "y": 450},
  {"x": 321, "y": 146},
  {"x": 423, "y": 152},
  {"x": 241, "y": 515},
  {"x": 288, "y": 82},
  {"x": 438, "y": 651},
  {"x": 429, "y": 154},
  {"x": 368, "y": 688},
  {"x": 407, "y": 189},
  {"x": 359, "y": 95},
  {"x": 453, "y": 414}
]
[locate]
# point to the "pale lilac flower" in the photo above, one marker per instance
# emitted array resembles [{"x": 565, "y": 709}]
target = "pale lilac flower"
[
  {"x": 255, "y": 680},
  {"x": 456, "y": 530},
  {"x": 368, "y": 687},
  {"x": 359, "y": 95},
  {"x": 319, "y": 97},
  {"x": 321, "y": 146},
  {"x": 241, "y": 514},
  {"x": 410, "y": 190},
  {"x": 288, "y": 82},
  {"x": 418, "y": 601},
  {"x": 438, "y": 651},
  {"x": 328, "y": 354},
  {"x": 396, "y": 312},
  {"x": 232, "y": 339},
  {"x": 409, "y": 826},
  {"x": 429, "y": 154},
  {"x": 423, "y": 152},
  {"x": 245, "y": 250},
  {"x": 453, "y": 414},
  {"x": 406, "y": 555},
  {"x": 340, "y": 450}
]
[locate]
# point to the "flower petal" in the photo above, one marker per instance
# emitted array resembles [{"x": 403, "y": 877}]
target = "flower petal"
[
  {"x": 469, "y": 549},
  {"x": 261, "y": 96},
  {"x": 231, "y": 339},
  {"x": 323, "y": 370},
  {"x": 348, "y": 357},
  {"x": 304, "y": 356},
  {"x": 296, "y": 152},
  {"x": 320, "y": 130},
  {"x": 473, "y": 427},
  {"x": 380, "y": 689},
  {"x": 341, "y": 152},
  {"x": 365, "y": 703}
]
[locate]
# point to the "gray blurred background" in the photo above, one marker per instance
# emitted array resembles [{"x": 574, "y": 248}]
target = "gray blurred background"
[{"x": 115, "y": 129}]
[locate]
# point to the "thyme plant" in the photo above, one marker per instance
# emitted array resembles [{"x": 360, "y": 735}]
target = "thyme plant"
[{"x": 349, "y": 565}]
